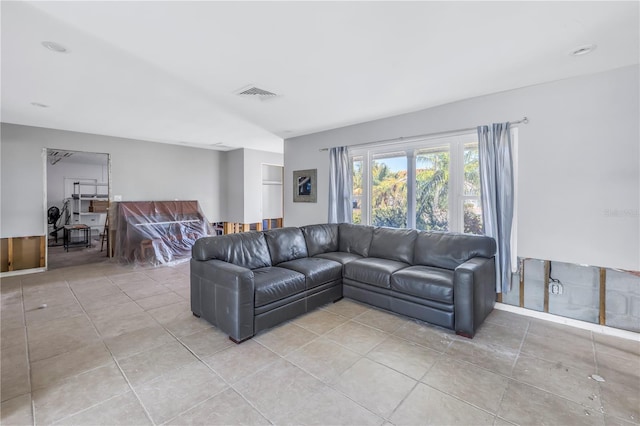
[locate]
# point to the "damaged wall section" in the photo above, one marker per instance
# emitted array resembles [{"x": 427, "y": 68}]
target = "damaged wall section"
[{"x": 578, "y": 295}]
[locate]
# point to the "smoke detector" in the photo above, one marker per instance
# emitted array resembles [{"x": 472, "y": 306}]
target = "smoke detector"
[
  {"x": 55, "y": 47},
  {"x": 253, "y": 92}
]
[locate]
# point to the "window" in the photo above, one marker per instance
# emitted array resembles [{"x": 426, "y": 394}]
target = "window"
[{"x": 428, "y": 185}]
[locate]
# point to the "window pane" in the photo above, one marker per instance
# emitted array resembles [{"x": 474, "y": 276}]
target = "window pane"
[
  {"x": 357, "y": 190},
  {"x": 471, "y": 170},
  {"x": 473, "y": 217},
  {"x": 472, "y": 207},
  {"x": 432, "y": 189},
  {"x": 389, "y": 190}
]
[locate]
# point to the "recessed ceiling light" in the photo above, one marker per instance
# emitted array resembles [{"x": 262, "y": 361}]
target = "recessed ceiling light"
[
  {"x": 583, "y": 50},
  {"x": 56, "y": 47},
  {"x": 39, "y": 105}
]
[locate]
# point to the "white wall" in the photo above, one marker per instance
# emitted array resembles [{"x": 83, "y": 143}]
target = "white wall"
[
  {"x": 57, "y": 173},
  {"x": 579, "y": 163},
  {"x": 139, "y": 171}
]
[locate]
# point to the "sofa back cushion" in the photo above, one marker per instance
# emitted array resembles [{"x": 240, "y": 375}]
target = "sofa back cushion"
[
  {"x": 321, "y": 238},
  {"x": 449, "y": 250},
  {"x": 355, "y": 238},
  {"x": 247, "y": 249},
  {"x": 286, "y": 244},
  {"x": 393, "y": 244}
]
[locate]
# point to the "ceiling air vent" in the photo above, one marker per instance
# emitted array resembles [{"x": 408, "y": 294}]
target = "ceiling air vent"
[
  {"x": 221, "y": 147},
  {"x": 256, "y": 93}
]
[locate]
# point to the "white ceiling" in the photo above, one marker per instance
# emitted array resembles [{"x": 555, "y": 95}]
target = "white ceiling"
[{"x": 168, "y": 71}]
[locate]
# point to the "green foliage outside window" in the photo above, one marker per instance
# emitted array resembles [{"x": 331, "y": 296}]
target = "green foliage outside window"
[
  {"x": 388, "y": 196},
  {"x": 388, "y": 201}
]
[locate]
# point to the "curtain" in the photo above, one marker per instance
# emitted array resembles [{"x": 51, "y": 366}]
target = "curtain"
[
  {"x": 497, "y": 191},
  {"x": 340, "y": 185}
]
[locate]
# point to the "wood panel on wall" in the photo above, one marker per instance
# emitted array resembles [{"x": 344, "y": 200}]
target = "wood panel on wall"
[{"x": 19, "y": 253}]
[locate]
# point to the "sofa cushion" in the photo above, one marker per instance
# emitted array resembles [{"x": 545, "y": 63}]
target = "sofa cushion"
[
  {"x": 339, "y": 256},
  {"x": 317, "y": 270},
  {"x": 449, "y": 250},
  {"x": 355, "y": 238},
  {"x": 321, "y": 238},
  {"x": 285, "y": 244},
  {"x": 425, "y": 282},
  {"x": 393, "y": 244},
  {"x": 247, "y": 249},
  {"x": 372, "y": 270},
  {"x": 273, "y": 284}
]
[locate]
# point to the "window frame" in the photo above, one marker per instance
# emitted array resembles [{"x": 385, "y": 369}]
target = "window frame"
[{"x": 456, "y": 144}]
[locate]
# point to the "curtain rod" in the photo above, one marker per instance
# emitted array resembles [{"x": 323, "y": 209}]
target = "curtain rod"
[{"x": 524, "y": 120}]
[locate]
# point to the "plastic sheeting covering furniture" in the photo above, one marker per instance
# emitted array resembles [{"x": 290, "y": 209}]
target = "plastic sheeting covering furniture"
[{"x": 158, "y": 232}]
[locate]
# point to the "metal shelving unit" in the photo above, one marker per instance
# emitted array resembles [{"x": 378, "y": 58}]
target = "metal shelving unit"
[{"x": 85, "y": 194}]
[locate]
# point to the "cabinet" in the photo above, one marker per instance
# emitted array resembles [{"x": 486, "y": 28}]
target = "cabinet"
[{"x": 89, "y": 204}]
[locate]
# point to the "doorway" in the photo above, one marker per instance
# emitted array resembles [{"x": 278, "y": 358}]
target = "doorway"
[
  {"x": 77, "y": 194},
  {"x": 272, "y": 195}
]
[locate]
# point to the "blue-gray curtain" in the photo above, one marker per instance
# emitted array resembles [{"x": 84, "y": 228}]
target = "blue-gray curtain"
[
  {"x": 496, "y": 183},
  {"x": 340, "y": 185}
]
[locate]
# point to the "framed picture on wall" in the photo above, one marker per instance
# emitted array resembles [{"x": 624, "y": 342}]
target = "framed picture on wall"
[{"x": 305, "y": 186}]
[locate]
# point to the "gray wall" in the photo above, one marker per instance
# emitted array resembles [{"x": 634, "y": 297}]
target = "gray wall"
[
  {"x": 579, "y": 168},
  {"x": 140, "y": 171},
  {"x": 234, "y": 190}
]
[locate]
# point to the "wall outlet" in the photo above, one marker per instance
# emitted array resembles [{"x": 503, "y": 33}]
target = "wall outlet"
[
  {"x": 556, "y": 288},
  {"x": 117, "y": 198}
]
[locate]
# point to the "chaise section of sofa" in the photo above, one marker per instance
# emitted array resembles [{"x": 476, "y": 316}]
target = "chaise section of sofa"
[{"x": 245, "y": 283}]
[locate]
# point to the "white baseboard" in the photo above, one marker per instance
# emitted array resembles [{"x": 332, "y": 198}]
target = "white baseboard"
[
  {"x": 22, "y": 272},
  {"x": 597, "y": 328}
]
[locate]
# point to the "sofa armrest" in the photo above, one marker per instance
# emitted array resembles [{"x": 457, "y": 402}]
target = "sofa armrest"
[
  {"x": 223, "y": 294},
  {"x": 474, "y": 294}
]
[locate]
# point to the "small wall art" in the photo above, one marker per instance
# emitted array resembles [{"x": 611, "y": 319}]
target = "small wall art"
[{"x": 305, "y": 186}]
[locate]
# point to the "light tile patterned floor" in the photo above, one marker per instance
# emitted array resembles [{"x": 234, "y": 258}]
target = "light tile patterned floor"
[{"x": 118, "y": 345}]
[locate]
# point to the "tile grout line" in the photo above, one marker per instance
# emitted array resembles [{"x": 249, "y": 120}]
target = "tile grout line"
[
  {"x": 111, "y": 353},
  {"x": 176, "y": 339},
  {"x": 513, "y": 379},
  {"x": 361, "y": 357},
  {"x": 26, "y": 337},
  {"x": 513, "y": 366},
  {"x": 227, "y": 383},
  {"x": 114, "y": 360},
  {"x": 595, "y": 362},
  {"x": 331, "y": 386}
]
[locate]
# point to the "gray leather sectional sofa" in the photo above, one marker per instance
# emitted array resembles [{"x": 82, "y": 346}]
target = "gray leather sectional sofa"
[{"x": 244, "y": 283}]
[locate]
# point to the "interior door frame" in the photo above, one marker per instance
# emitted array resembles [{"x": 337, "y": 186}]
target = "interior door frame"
[{"x": 45, "y": 168}]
